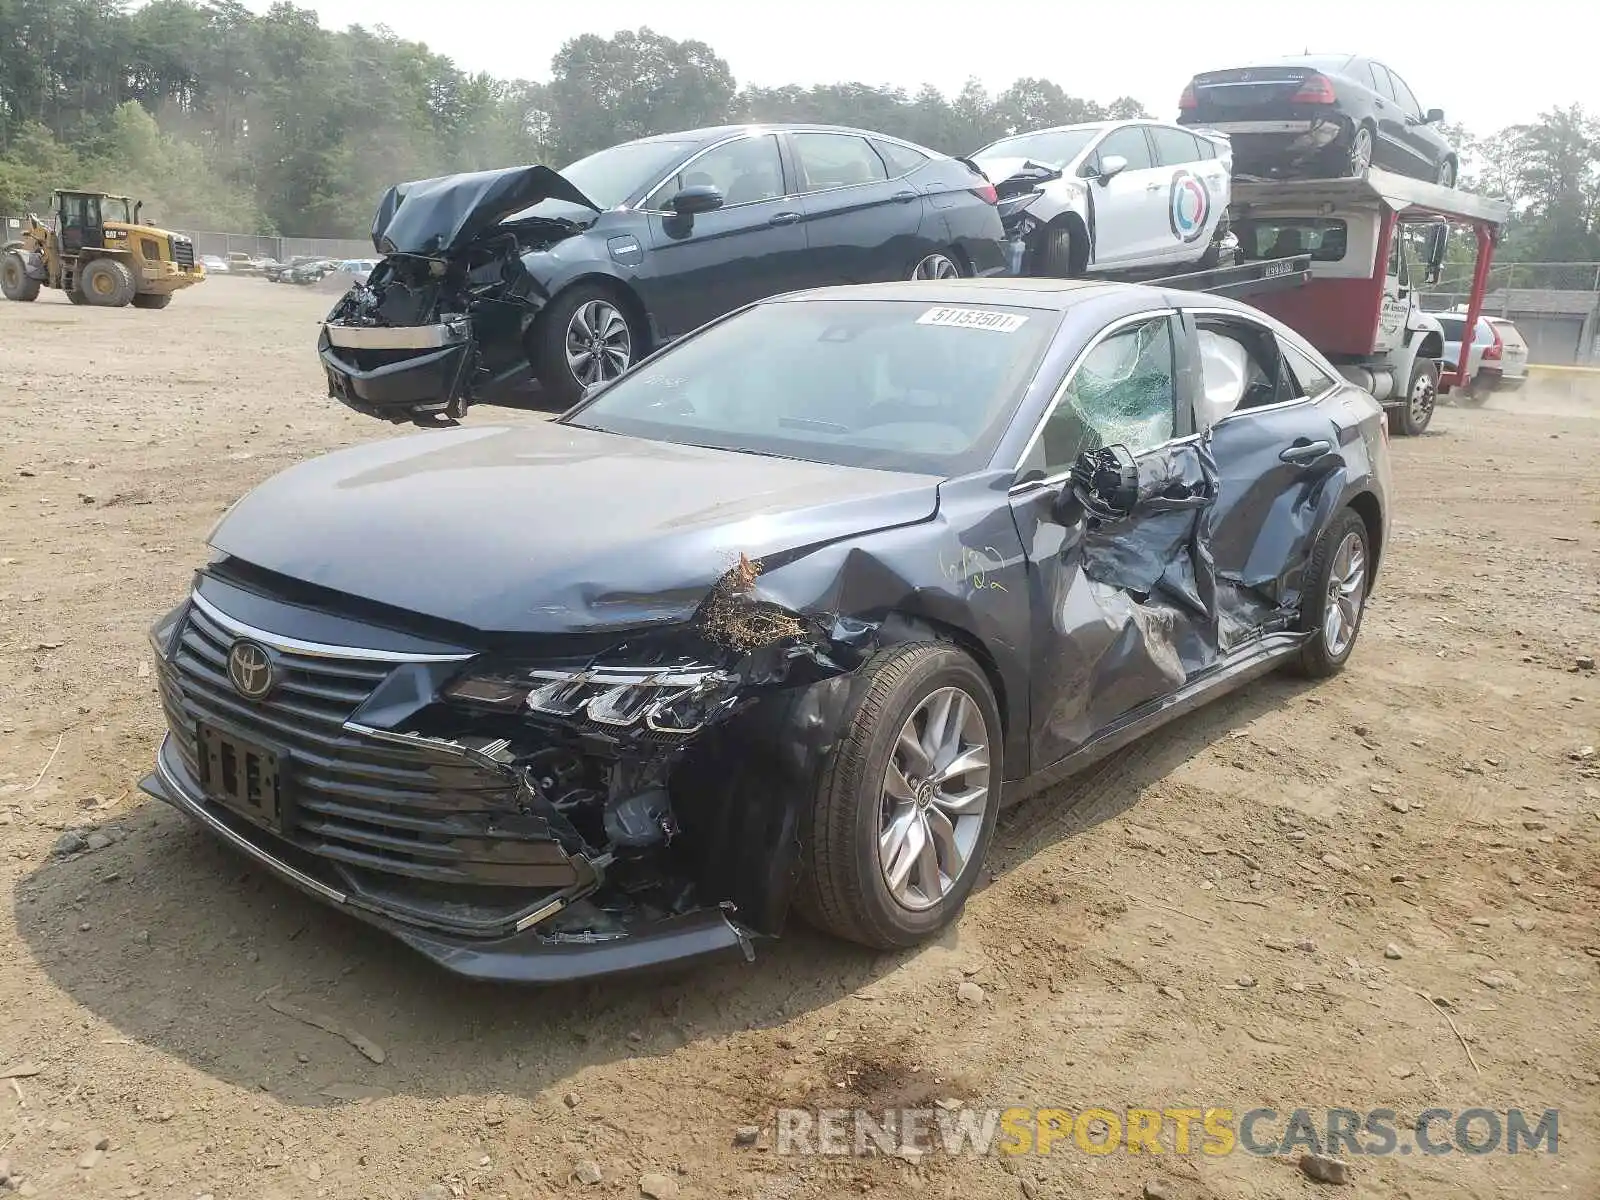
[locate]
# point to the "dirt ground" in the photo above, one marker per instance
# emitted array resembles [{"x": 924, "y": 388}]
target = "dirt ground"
[{"x": 1137, "y": 945}]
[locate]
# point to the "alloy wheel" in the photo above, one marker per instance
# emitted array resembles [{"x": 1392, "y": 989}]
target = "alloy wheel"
[
  {"x": 1360, "y": 150},
  {"x": 599, "y": 345},
  {"x": 936, "y": 266},
  {"x": 1447, "y": 174},
  {"x": 935, "y": 793},
  {"x": 1347, "y": 582}
]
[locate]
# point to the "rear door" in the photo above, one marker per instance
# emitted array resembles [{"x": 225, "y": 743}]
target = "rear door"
[
  {"x": 1129, "y": 209},
  {"x": 1196, "y": 191},
  {"x": 711, "y": 263},
  {"x": 860, "y": 224},
  {"x": 1417, "y": 140},
  {"x": 1273, "y": 454}
]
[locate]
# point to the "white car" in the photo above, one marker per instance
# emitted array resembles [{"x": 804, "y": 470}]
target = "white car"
[
  {"x": 1111, "y": 195},
  {"x": 1498, "y": 359},
  {"x": 215, "y": 264}
]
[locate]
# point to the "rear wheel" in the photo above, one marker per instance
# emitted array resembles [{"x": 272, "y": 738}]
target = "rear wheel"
[
  {"x": 1335, "y": 596},
  {"x": 896, "y": 838},
  {"x": 1415, "y": 414},
  {"x": 585, "y": 338},
  {"x": 1058, "y": 247},
  {"x": 150, "y": 300},
  {"x": 14, "y": 281},
  {"x": 107, "y": 283},
  {"x": 1360, "y": 150}
]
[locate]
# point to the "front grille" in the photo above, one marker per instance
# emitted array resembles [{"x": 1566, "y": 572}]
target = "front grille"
[
  {"x": 360, "y": 803},
  {"x": 182, "y": 252}
]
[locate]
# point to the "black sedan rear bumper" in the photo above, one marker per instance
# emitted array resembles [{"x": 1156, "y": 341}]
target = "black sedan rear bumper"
[{"x": 517, "y": 957}]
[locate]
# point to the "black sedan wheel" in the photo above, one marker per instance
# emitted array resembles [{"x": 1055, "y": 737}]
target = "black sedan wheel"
[
  {"x": 1360, "y": 150},
  {"x": 937, "y": 266},
  {"x": 1447, "y": 174},
  {"x": 585, "y": 338},
  {"x": 907, "y": 807}
]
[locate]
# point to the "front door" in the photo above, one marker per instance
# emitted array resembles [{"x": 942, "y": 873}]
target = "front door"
[
  {"x": 1130, "y": 208},
  {"x": 861, "y": 227},
  {"x": 703, "y": 266},
  {"x": 81, "y": 224},
  {"x": 1119, "y": 606}
]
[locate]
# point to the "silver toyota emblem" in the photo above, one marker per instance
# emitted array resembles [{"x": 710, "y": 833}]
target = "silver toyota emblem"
[{"x": 250, "y": 670}]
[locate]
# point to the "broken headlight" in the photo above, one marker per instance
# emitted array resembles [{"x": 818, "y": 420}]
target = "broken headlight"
[{"x": 668, "y": 700}]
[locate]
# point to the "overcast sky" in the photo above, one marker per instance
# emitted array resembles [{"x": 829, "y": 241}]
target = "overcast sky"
[{"x": 1487, "y": 64}]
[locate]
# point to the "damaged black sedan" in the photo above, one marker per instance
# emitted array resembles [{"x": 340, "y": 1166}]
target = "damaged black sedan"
[
  {"x": 492, "y": 278},
  {"x": 779, "y": 619}
]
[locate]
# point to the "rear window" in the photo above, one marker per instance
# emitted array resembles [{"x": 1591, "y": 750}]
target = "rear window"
[
  {"x": 1174, "y": 147},
  {"x": 1452, "y": 327},
  {"x": 889, "y": 384},
  {"x": 1324, "y": 238},
  {"x": 901, "y": 160}
]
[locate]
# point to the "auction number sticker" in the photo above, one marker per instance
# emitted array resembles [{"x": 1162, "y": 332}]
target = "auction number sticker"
[{"x": 973, "y": 318}]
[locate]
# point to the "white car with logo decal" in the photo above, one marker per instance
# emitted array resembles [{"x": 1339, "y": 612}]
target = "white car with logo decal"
[{"x": 1111, "y": 195}]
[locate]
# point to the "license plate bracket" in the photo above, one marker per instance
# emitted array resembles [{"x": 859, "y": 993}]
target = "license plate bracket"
[{"x": 243, "y": 776}]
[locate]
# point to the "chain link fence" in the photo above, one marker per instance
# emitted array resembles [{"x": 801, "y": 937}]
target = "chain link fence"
[{"x": 280, "y": 248}]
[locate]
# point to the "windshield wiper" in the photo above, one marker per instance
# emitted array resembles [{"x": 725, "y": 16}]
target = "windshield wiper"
[{"x": 813, "y": 423}]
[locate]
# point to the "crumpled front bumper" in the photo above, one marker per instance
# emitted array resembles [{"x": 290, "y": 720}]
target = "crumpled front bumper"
[
  {"x": 520, "y": 957},
  {"x": 402, "y": 374}
]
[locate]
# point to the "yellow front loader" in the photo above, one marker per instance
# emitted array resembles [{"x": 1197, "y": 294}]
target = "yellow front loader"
[{"x": 94, "y": 249}]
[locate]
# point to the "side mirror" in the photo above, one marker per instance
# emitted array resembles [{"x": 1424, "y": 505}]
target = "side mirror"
[
  {"x": 1435, "y": 117},
  {"x": 697, "y": 198},
  {"x": 1104, "y": 482},
  {"x": 1111, "y": 166}
]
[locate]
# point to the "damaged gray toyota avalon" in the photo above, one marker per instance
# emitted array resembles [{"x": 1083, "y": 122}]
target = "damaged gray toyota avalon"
[{"x": 777, "y": 619}]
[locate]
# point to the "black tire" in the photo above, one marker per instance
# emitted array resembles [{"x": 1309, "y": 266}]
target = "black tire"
[
  {"x": 549, "y": 349},
  {"x": 150, "y": 300},
  {"x": 1058, "y": 247},
  {"x": 107, "y": 283},
  {"x": 1415, "y": 413},
  {"x": 1318, "y": 658},
  {"x": 74, "y": 296},
  {"x": 14, "y": 281},
  {"x": 842, "y": 889},
  {"x": 1474, "y": 393},
  {"x": 1447, "y": 173},
  {"x": 1212, "y": 258}
]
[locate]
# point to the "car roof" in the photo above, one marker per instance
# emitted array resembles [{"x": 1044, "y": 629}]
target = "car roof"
[
  {"x": 1052, "y": 295},
  {"x": 717, "y": 133}
]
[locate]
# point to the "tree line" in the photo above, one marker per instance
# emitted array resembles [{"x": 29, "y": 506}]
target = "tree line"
[{"x": 223, "y": 119}]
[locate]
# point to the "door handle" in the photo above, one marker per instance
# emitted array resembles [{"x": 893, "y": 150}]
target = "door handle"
[
  {"x": 904, "y": 197},
  {"x": 1302, "y": 451},
  {"x": 1153, "y": 187},
  {"x": 783, "y": 218}
]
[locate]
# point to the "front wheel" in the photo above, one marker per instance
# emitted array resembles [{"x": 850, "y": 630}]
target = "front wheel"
[
  {"x": 14, "y": 281},
  {"x": 905, "y": 812},
  {"x": 1335, "y": 596},
  {"x": 1447, "y": 173},
  {"x": 1415, "y": 414},
  {"x": 107, "y": 283},
  {"x": 149, "y": 300},
  {"x": 585, "y": 338},
  {"x": 937, "y": 265},
  {"x": 1058, "y": 252}
]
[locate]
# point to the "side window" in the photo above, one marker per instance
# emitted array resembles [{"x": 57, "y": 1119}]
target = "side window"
[
  {"x": 1130, "y": 143},
  {"x": 91, "y": 211},
  {"x": 1313, "y": 380},
  {"x": 901, "y": 160},
  {"x": 744, "y": 171},
  {"x": 1174, "y": 147},
  {"x": 830, "y": 160},
  {"x": 1208, "y": 148},
  {"x": 1380, "y": 80},
  {"x": 1121, "y": 393},
  {"x": 1241, "y": 367},
  {"x": 1404, "y": 98}
]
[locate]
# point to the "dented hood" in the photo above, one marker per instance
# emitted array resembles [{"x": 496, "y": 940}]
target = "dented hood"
[
  {"x": 440, "y": 216},
  {"x": 548, "y": 528}
]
